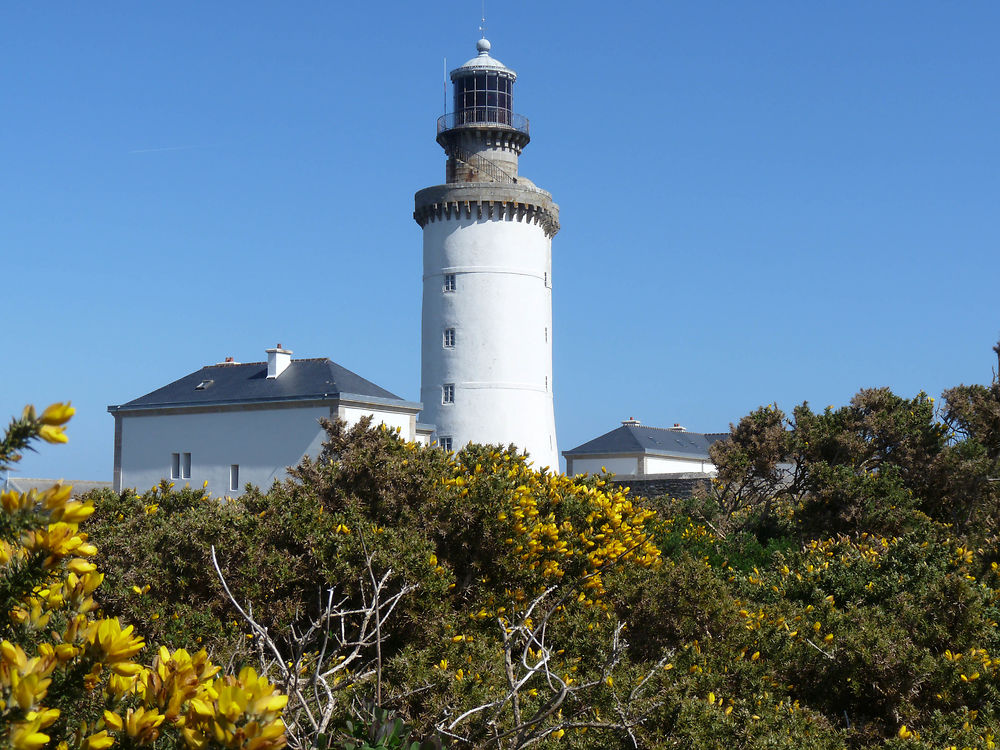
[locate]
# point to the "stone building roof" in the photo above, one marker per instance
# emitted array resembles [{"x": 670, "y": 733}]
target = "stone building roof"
[
  {"x": 632, "y": 438},
  {"x": 236, "y": 383}
]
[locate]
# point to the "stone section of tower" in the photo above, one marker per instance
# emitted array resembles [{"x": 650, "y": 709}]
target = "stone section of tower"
[{"x": 486, "y": 365}]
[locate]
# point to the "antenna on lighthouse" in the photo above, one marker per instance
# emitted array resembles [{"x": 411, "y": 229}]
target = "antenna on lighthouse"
[
  {"x": 482, "y": 26},
  {"x": 444, "y": 88}
]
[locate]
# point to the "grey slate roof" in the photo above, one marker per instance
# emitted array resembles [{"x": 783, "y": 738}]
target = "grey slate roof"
[
  {"x": 228, "y": 383},
  {"x": 636, "y": 438}
]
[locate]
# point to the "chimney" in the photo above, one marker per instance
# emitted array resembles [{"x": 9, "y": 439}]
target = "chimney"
[
  {"x": 630, "y": 421},
  {"x": 678, "y": 428},
  {"x": 278, "y": 360}
]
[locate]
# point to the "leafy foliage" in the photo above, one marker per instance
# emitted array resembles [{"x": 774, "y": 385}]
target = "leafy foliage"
[
  {"x": 71, "y": 677},
  {"x": 839, "y": 587}
]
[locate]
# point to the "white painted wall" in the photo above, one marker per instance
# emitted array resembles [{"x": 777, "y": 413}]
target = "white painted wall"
[
  {"x": 639, "y": 465},
  {"x": 262, "y": 441},
  {"x": 406, "y": 422},
  {"x": 627, "y": 466},
  {"x": 501, "y": 364},
  {"x": 667, "y": 465}
]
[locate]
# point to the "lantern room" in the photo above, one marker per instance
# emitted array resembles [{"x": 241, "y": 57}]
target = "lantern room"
[{"x": 484, "y": 93}]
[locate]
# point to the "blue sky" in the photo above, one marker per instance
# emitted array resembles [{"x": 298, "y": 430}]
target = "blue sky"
[{"x": 760, "y": 202}]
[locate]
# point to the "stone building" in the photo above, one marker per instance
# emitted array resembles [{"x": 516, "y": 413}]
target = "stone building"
[
  {"x": 635, "y": 450},
  {"x": 232, "y": 423}
]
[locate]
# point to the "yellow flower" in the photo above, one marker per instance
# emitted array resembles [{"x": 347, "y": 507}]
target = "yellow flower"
[
  {"x": 904, "y": 733},
  {"x": 52, "y": 434},
  {"x": 113, "y": 720},
  {"x": 80, "y": 567},
  {"x": 117, "y": 644},
  {"x": 143, "y": 724},
  {"x": 57, "y": 414},
  {"x": 99, "y": 741},
  {"x": 25, "y": 736}
]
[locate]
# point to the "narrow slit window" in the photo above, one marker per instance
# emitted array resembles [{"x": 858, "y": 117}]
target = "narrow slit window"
[
  {"x": 449, "y": 338},
  {"x": 448, "y": 393},
  {"x": 234, "y": 477},
  {"x": 185, "y": 466},
  {"x": 175, "y": 465}
]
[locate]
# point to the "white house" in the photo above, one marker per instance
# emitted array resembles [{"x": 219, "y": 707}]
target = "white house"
[
  {"x": 634, "y": 450},
  {"x": 230, "y": 424}
]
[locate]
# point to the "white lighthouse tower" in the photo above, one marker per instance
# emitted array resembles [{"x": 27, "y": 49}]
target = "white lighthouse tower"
[{"x": 486, "y": 365}]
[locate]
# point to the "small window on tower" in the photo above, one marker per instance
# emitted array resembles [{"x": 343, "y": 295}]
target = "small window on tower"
[
  {"x": 234, "y": 477},
  {"x": 175, "y": 465},
  {"x": 448, "y": 393},
  {"x": 449, "y": 282},
  {"x": 445, "y": 443},
  {"x": 449, "y": 338},
  {"x": 185, "y": 466}
]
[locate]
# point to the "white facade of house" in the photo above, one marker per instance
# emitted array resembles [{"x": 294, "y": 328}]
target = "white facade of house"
[
  {"x": 638, "y": 465},
  {"x": 228, "y": 444},
  {"x": 260, "y": 442},
  {"x": 634, "y": 450}
]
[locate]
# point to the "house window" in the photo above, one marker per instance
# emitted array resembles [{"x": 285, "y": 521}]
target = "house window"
[
  {"x": 449, "y": 338},
  {"x": 448, "y": 393},
  {"x": 180, "y": 465},
  {"x": 449, "y": 282},
  {"x": 234, "y": 477},
  {"x": 445, "y": 443}
]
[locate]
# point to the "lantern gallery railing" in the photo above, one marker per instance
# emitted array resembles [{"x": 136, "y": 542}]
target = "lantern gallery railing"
[{"x": 483, "y": 116}]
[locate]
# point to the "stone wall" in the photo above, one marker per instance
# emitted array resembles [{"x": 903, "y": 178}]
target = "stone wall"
[{"x": 656, "y": 485}]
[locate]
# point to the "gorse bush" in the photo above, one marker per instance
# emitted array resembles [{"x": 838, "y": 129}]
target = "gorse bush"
[
  {"x": 496, "y": 558},
  {"x": 70, "y": 678},
  {"x": 839, "y": 587}
]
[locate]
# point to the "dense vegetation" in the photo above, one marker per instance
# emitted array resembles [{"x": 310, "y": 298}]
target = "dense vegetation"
[
  {"x": 838, "y": 587},
  {"x": 71, "y": 678}
]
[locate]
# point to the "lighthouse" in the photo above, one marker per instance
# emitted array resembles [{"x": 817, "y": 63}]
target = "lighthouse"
[{"x": 486, "y": 326}]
